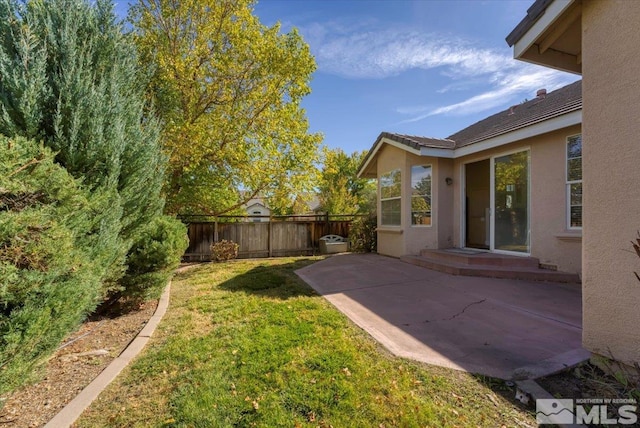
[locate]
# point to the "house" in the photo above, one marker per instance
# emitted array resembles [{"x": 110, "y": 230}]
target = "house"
[
  {"x": 257, "y": 207},
  {"x": 599, "y": 40},
  {"x": 509, "y": 184}
]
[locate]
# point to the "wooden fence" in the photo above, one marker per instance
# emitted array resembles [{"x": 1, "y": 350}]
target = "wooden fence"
[{"x": 262, "y": 236}]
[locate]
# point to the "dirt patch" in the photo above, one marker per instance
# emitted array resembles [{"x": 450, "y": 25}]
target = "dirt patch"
[
  {"x": 587, "y": 381},
  {"x": 82, "y": 356}
]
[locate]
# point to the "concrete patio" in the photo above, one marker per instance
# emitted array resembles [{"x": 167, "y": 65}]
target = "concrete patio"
[{"x": 481, "y": 325}]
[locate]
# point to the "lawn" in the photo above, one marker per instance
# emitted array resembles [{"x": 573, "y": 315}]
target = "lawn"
[{"x": 247, "y": 343}]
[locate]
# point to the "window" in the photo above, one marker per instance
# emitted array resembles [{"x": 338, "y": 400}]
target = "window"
[
  {"x": 390, "y": 192},
  {"x": 421, "y": 195},
  {"x": 574, "y": 181}
]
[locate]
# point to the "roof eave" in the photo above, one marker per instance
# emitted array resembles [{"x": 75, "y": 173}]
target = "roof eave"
[
  {"x": 533, "y": 13},
  {"x": 382, "y": 139},
  {"x": 437, "y": 152},
  {"x": 549, "y": 124},
  {"x": 552, "y": 124},
  {"x": 529, "y": 35}
]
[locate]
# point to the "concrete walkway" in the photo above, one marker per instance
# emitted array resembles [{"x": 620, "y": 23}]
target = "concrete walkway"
[{"x": 480, "y": 325}]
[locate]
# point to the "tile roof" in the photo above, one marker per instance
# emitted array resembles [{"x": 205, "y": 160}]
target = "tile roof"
[
  {"x": 533, "y": 14},
  {"x": 417, "y": 142},
  {"x": 408, "y": 140},
  {"x": 557, "y": 103}
]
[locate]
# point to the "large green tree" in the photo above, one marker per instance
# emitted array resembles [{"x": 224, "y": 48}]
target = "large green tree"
[
  {"x": 70, "y": 78},
  {"x": 80, "y": 198},
  {"x": 341, "y": 191},
  {"x": 228, "y": 91}
]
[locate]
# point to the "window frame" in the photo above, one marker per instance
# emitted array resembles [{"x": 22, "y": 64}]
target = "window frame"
[
  {"x": 430, "y": 166},
  {"x": 569, "y": 183},
  {"x": 392, "y": 198}
]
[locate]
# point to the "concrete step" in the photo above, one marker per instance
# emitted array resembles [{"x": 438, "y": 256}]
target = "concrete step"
[
  {"x": 480, "y": 258},
  {"x": 492, "y": 271}
]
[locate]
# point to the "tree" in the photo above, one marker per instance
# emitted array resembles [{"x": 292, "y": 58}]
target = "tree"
[
  {"x": 71, "y": 82},
  {"x": 228, "y": 91},
  {"x": 341, "y": 192},
  {"x": 69, "y": 77},
  {"x": 49, "y": 279}
]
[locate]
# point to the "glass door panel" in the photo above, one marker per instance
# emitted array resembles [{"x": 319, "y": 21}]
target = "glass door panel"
[
  {"x": 511, "y": 202},
  {"x": 478, "y": 204}
]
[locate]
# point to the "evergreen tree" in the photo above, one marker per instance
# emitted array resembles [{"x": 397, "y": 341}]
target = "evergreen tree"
[
  {"x": 69, "y": 77},
  {"x": 49, "y": 278}
]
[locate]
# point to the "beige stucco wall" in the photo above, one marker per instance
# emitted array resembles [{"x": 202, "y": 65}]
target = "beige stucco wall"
[
  {"x": 409, "y": 239},
  {"x": 551, "y": 241},
  {"x": 611, "y": 173},
  {"x": 445, "y": 203},
  {"x": 390, "y": 238}
]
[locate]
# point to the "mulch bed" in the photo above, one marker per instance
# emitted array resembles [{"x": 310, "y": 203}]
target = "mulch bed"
[{"x": 82, "y": 356}]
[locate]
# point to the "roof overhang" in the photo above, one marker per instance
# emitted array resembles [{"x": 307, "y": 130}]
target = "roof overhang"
[
  {"x": 540, "y": 128},
  {"x": 368, "y": 167},
  {"x": 550, "y": 35}
]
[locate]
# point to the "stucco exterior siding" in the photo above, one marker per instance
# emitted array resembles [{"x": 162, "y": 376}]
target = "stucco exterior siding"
[
  {"x": 551, "y": 241},
  {"x": 611, "y": 180},
  {"x": 390, "y": 238},
  {"x": 445, "y": 206},
  {"x": 397, "y": 241}
]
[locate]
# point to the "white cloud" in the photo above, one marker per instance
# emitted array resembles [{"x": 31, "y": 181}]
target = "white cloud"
[
  {"x": 462, "y": 85},
  {"x": 354, "y": 50},
  {"x": 507, "y": 88},
  {"x": 380, "y": 54}
]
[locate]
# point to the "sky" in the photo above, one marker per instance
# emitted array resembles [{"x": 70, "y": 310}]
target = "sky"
[{"x": 423, "y": 67}]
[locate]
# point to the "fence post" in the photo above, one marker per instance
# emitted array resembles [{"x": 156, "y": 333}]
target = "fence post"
[
  {"x": 270, "y": 240},
  {"x": 327, "y": 224},
  {"x": 215, "y": 230},
  {"x": 312, "y": 227}
]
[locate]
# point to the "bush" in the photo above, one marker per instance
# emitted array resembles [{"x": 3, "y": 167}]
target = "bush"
[
  {"x": 154, "y": 257},
  {"x": 224, "y": 250},
  {"x": 50, "y": 278},
  {"x": 363, "y": 235}
]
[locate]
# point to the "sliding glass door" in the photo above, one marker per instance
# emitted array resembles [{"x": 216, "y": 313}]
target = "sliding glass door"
[{"x": 511, "y": 203}]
